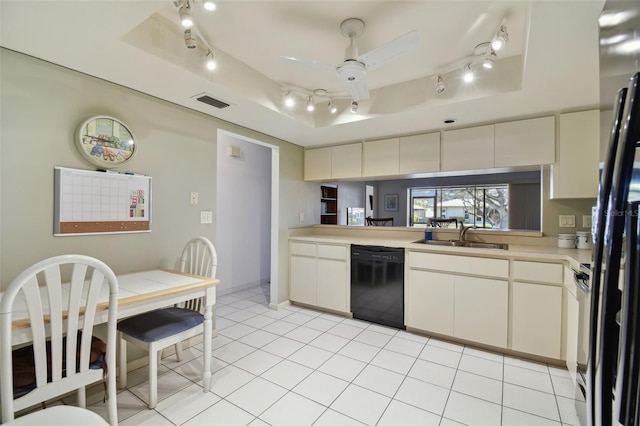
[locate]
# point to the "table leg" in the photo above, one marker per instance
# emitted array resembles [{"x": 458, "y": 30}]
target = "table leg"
[{"x": 207, "y": 336}]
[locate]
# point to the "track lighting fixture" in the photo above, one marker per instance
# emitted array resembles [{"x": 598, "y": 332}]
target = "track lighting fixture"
[
  {"x": 468, "y": 74},
  {"x": 210, "y": 61},
  {"x": 288, "y": 100},
  {"x": 440, "y": 85},
  {"x": 310, "y": 105},
  {"x": 185, "y": 17},
  {"x": 189, "y": 40},
  {"x": 354, "y": 107},
  {"x": 209, "y": 5},
  {"x": 489, "y": 58},
  {"x": 332, "y": 107},
  {"x": 500, "y": 39}
]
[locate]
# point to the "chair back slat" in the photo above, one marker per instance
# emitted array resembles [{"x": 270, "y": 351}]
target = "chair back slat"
[
  {"x": 95, "y": 287},
  {"x": 199, "y": 257},
  {"x": 32, "y": 298},
  {"x": 53, "y": 283},
  {"x": 76, "y": 290}
]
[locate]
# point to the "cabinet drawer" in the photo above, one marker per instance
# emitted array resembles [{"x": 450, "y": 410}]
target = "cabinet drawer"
[
  {"x": 536, "y": 271},
  {"x": 460, "y": 264},
  {"x": 332, "y": 252},
  {"x": 303, "y": 249}
]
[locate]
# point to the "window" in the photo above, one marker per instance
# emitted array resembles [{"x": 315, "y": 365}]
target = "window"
[{"x": 484, "y": 206}]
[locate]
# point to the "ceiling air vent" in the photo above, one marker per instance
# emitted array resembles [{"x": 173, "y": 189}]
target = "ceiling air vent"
[{"x": 211, "y": 101}]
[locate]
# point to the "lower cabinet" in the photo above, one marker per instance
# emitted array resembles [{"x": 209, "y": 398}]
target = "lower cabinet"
[
  {"x": 536, "y": 323},
  {"x": 318, "y": 275},
  {"x": 470, "y": 308},
  {"x": 573, "y": 312}
]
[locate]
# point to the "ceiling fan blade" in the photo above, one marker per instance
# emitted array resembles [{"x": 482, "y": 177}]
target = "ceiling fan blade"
[
  {"x": 312, "y": 64},
  {"x": 385, "y": 53},
  {"x": 358, "y": 89}
]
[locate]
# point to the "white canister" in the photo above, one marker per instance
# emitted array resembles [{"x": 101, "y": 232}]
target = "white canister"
[
  {"x": 583, "y": 240},
  {"x": 567, "y": 240}
]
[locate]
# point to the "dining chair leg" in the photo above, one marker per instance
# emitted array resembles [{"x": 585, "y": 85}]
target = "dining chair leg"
[
  {"x": 81, "y": 395},
  {"x": 153, "y": 376},
  {"x": 122, "y": 362},
  {"x": 178, "y": 350}
]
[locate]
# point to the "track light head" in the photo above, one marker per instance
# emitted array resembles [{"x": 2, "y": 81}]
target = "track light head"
[
  {"x": 489, "y": 58},
  {"x": 210, "y": 61},
  {"x": 209, "y": 5},
  {"x": 288, "y": 100},
  {"x": 332, "y": 107},
  {"x": 310, "y": 105},
  {"x": 185, "y": 17},
  {"x": 500, "y": 39},
  {"x": 354, "y": 107},
  {"x": 189, "y": 40},
  {"x": 440, "y": 85},
  {"x": 468, "y": 74}
]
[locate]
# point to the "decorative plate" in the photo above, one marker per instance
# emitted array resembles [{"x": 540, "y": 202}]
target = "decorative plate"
[{"x": 105, "y": 142}]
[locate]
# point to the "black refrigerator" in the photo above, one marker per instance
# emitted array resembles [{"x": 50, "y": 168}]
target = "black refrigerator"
[{"x": 613, "y": 366}]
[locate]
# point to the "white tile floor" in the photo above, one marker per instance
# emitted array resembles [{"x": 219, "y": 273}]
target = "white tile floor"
[{"x": 300, "y": 367}]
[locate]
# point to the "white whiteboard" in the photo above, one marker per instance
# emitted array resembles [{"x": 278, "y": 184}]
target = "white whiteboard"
[{"x": 91, "y": 202}]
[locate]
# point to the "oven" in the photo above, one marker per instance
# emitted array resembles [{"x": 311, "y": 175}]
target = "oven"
[{"x": 582, "y": 279}]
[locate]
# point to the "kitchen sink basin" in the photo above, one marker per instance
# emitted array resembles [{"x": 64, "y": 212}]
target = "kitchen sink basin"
[{"x": 472, "y": 244}]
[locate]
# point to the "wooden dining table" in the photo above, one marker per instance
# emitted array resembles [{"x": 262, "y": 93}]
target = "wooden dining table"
[{"x": 142, "y": 292}]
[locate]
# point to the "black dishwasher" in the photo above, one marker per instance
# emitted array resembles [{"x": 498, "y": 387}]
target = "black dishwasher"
[{"x": 377, "y": 284}]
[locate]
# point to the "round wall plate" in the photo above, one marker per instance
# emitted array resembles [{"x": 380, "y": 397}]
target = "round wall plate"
[{"x": 105, "y": 142}]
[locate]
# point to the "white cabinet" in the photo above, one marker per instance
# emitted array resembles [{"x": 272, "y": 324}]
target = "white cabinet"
[
  {"x": 447, "y": 302},
  {"x": 319, "y": 275},
  {"x": 468, "y": 149},
  {"x": 336, "y": 162},
  {"x": 525, "y": 142},
  {"x": 381, "y": 158},
  {"x": 429, "y": 301},
  {"x": 346, "y": 161},
  {"x": 317, "y": 164},
  {"x": 420, "y": 153},
  {"x": 575, "y": 172}
]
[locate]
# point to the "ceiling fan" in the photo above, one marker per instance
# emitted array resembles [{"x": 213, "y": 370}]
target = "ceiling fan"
[{"x": 353, "y": 70}]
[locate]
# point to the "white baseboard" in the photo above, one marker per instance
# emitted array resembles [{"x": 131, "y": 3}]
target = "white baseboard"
[{"x": 278, "y": 306}]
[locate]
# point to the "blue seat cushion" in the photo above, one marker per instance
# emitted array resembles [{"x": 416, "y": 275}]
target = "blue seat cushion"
[{"x": 156, "y": 325}]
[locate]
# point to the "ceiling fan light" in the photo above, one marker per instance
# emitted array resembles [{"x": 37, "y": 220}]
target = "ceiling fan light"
[
  {"x": 185, "y": 16},
  {"x": 310, "y": 105},
  {"x": 209, "y": 5},
  {"x": 354, "y": 107},
  {"x": 468, "y": 74},
  {"x": 440, "y": 85}
]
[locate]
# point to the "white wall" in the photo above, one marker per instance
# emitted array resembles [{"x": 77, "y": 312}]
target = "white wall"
[{"x": 243, "y": 190}]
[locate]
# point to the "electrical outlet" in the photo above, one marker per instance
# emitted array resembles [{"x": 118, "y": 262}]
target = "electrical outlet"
[
  {"x": 194, "y": 198},
  {"x": 567, "y": 221},
  {"x": 586, "y": 221}
]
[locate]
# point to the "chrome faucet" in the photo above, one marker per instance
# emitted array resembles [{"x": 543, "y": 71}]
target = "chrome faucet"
[{"x": 463, "y": 231}]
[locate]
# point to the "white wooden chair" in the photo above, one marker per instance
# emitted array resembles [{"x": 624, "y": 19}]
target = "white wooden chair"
[
  {"x": 162, "y": 328},
  {"x": 56, "y": 310}
]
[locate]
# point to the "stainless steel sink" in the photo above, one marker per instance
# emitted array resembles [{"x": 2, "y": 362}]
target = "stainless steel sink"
[{"x": 471, "y": 244}]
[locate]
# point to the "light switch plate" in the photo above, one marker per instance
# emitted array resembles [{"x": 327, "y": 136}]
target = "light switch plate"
[
  {"x": 206, "y": 216},
  {"x": 193, "y": 197},
  {"x": 301, "y": 217},
  {"x": 567, "y": 221},
  {"x": 586, "y": 221}
]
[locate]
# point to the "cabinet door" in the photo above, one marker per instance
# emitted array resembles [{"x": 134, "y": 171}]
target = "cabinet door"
[
  {"x": 346, "y": 161},
  {"x": 317, "y": 164},
  {"x": 332, "y": 284},
  {"x": 420, "y": 153},
  {"x": 381, "y": 158},
  {"x": 575, "y": 172},
  {"x": 525, "y": 142},
  {"x": 536, "y": 323},
  {"x": 468, "y": 149},
  {"x": 429, "y": 302},
  {"x": 481, "y": 312},
  {"x": 302, "y": 279}
]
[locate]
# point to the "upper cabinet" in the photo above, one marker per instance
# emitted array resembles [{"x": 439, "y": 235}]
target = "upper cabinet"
[
  {"x": 381, "y": 158},
  {"x": 575, "y": 172},
  {"x": 335, "y": 162},
  {"x": 525, "y": 142},
  {"x": 420, "y": 153},
  {"x": 468, "y": 149}
]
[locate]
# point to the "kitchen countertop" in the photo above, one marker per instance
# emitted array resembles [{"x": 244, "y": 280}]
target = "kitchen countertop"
[{"x": 515, "y": 251}]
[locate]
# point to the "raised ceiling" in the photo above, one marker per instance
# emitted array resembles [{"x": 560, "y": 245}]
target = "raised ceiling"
[{"x": 549, "y": 65}]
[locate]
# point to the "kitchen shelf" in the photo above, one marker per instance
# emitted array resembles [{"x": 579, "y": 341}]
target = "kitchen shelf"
[{"x": 328, "y": 205}]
